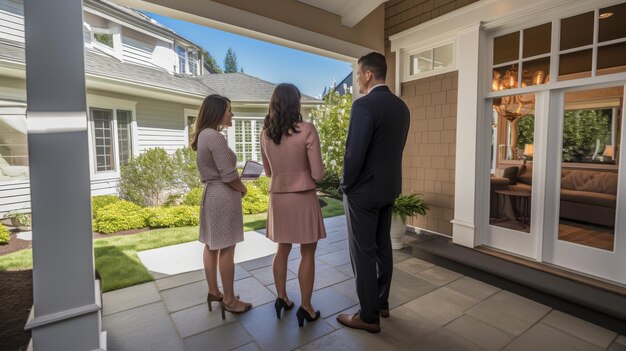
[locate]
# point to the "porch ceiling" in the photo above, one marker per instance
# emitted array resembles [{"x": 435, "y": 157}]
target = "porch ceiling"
[
  {"x": 351, "y": 11},
  {"x": 340, "y": 29}
]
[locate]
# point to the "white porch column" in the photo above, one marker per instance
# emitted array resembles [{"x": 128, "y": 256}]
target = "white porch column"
[
  {"x": 470, "y": 111},
  {"x": 66, "y": 299}
]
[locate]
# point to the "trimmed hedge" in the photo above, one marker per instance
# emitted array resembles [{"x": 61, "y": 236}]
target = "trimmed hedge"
[
  {"x": 255, "y": 201},
  {"x": 170, "y": 217},
  {"x": 194, "y": 197},
  {"x": 4, "y": 235},
  {"x": 100, "y": 201},
  {"x": 118, "y": 216}
]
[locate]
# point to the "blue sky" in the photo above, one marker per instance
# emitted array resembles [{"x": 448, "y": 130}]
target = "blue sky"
[{"x": 270, "y": 62}]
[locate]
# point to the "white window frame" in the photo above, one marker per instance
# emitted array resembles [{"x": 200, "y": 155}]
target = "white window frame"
[
  {"x": 187, "y": 113},
  {"x": 255, "y": 138},
  {"x": 406, "y": 59},
  {"x": 116, "y": 31},
  {"x": 114, "y": 104}
]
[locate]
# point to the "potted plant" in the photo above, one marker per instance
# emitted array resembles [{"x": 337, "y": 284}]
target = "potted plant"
[
  {"x": 20, "y": 220},
  {"x": 404, "y": 206}
]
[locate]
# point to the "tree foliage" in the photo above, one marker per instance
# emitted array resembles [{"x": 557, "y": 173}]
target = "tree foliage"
[
  {"x": 210, "y": 61},
  {"x": 331, "y": 120},
  {"x": 230, "y": 62}
]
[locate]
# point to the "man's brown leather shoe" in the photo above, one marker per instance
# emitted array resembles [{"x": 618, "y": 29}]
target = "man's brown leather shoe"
[
  {"x": 355, "y": 321},
  {"x": 384, "y": 312}
]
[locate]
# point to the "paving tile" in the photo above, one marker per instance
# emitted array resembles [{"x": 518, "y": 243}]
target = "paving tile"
[
  {"x": 266, "y": 275},
  {"x": 336, "y": 258},
  {"x": 346, "y": 339},
  {"x": 185, "y": 296},
  {"x": 143, "y": 328},
  {"x": 257, "y": 263},
  {"x": 127, "y": 298},
  {"x": 347, "y": 288},
  {"x": 509, "y": 312},
  {"x": 250, "y": 290},
  {"x": 336, "y": 236},
  {"x": 619, "y": 344},
  {"x": 579, "y": 328},
  {"x": 413, "y": 265},
  {"x": 177, "y": 280},
  {"x": 248, "y": 347},
  {"x": 401, "y": 256},
  {"x": 341, "y": 245},
  {"x": 473, "y": 288},
  {"x": 346, "y": 269},
  {"x": 328, "y": 247},
  {"x": 240, "y": 273},
  {"x": 441, "y": 306},
  {"x": 406, "y": 287},
  {"x": 405, "y": 327},
  {"x": 443, "y": 340},
  {"x": 284, "y": 334},
  {"x": 542, "y": 337},
  {"x": 329, "y": 301},
  {"x": 479, "y": 333},
  {"x": 197, "y": 319},
  {"x": 438, "y": 275},
  {"x": 226, "y": 337}
]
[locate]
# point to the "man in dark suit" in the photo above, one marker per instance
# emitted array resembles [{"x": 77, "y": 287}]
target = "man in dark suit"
[{"x": 372, "y": 180}]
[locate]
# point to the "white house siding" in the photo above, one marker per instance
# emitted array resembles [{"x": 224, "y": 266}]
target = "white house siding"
[
  {"x": 14, "y": 196},
  {"x": 138, "y": 48},
  {"x": 160, "y": 124},
  {"x": 12, "y": 20}
]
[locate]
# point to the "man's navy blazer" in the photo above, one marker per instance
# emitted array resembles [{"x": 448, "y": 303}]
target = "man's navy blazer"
[{"x": 372, "y": 165}]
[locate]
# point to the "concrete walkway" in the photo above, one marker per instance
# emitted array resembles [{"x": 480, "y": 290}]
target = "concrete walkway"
[{"x": 432, "y": 309}]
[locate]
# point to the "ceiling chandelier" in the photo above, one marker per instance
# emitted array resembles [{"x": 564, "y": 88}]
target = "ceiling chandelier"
[{"x": 515, "y": 106}]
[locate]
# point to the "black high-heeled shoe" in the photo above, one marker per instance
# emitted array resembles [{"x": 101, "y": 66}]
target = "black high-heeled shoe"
[
  {"x": 303, "y": 314},
  {"x": 279, "y": 304}
]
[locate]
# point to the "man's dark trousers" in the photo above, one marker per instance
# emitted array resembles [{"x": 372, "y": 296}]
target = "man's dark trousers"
[{"x": 372, "y": 258}]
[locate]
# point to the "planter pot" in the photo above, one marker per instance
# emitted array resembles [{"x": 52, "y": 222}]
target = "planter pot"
[
  {"x": 17, "y": 224},
  {"x": 397, "y": 231}
]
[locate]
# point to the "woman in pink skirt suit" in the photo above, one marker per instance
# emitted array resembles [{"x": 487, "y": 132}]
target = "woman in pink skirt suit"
[
  {"x": 221, "y": 219},
  {"x": 292, "y": 158}
]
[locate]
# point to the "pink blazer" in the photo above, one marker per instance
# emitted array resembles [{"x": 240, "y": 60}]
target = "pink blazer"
[{"x": 295, "y": 164}]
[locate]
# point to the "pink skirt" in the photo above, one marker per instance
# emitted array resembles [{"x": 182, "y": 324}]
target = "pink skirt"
[{"x": 295, "y": 218}]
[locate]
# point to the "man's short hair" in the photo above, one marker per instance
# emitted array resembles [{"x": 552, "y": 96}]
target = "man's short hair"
[{"x": 376, "y": 63}]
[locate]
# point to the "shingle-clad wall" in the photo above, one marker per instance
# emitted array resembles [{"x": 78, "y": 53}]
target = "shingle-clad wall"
[{"x": 429, "y": 155}]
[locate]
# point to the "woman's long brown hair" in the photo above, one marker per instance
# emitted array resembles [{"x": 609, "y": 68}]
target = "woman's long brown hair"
[
  {"x": 210, "y": 116},
  {"x": 284, "y": 112}
]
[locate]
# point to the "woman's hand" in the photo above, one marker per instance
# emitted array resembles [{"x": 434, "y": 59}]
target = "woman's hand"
[{"x": 244, "y": 191}]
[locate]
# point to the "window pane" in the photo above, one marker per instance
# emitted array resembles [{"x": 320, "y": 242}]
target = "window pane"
[
  {"x": 182, "y": 59},
  {"x": 504, "y": 78},
  {"x": 106, "y": 39},
  {"x": 193, "y": 62},
  {"x": 588, "y": 195},
  {"x": 506, "y": 48},
  {"x": 421, "y": 62},
  {"x": 612, "y": 23},
  {"x": 577, "y": 31},
  {"x": 13, "y": 147},
  {"x": 536, "y": 72},
  {"x": 575, "y": 65},
  {"x": 124, "y": 136},
  {"x": 102, "y": 122},
  {"x": 612, "y": 58},
  {"x": 537, "y": 40},
  {"x": 443, "y": 56}
]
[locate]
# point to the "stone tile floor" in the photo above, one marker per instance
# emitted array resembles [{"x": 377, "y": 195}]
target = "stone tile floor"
[{"x": 432, "y": 309}]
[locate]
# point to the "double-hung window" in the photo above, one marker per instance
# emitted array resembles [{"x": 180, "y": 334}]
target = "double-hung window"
[
  {"x": 182, "y": 59},
  {"x": 112, "y": 138},
  {"x": 247, "y": 143}
]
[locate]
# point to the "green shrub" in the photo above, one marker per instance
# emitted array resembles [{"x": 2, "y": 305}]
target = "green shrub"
[
  {"x": 169, "y": 217},
  {"x": 263, "y": 183},
  {"x": 173, "y": 199},
  {"x": 118, "y": 216},
  {"x": 99, "y": 201},
  {"x": 147, "y": 178},
  {"x": 194, "y": 197},
  {"x": 331, "y": 120},
  {"x": 4, "y": 235},
  {"x": 255, "y": 200},
  {"x": 185, "y": 169}
]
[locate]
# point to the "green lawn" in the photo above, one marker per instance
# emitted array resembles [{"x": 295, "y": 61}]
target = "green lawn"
[{"x": 116, "y": 257}]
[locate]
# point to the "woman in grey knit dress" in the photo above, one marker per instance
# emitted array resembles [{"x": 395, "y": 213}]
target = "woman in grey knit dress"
[{"x": 221, "y": 218}]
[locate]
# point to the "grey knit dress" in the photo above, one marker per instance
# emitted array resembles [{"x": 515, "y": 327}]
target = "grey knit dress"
[{"x": 221, "y": 219}]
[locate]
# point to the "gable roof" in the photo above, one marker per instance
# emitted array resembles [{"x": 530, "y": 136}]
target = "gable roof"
[{"x": 242, "y": 87}]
